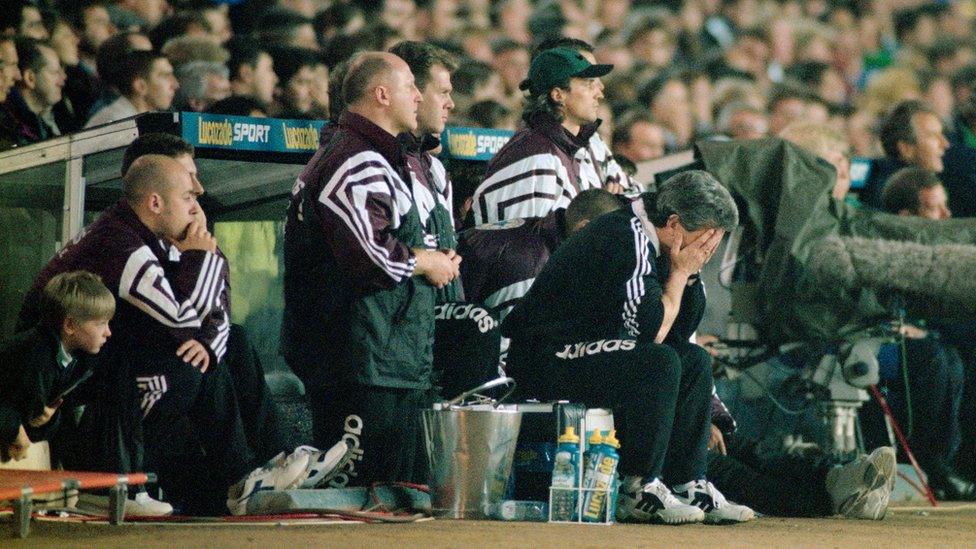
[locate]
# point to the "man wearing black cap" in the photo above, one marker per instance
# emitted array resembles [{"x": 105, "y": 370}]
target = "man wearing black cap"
[{"x": 534, "y": 173}]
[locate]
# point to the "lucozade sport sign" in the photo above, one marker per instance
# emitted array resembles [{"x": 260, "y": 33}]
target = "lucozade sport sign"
[{"x": 217, "y": 131}]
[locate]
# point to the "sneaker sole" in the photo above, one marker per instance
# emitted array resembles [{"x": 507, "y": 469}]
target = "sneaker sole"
[
  {"x": 874, "y": 477},
  {"x": 712, "y": 519}
]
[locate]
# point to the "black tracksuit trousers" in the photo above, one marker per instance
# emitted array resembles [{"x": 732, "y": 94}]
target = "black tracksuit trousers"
[
  {"x": 782, "y": 486},
  {"x": 144, "y": 402},
  {"x": 660, "y": 396},
  {"x": 381, "y": 424}
]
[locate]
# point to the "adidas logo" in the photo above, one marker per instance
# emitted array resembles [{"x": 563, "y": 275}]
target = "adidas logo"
[
  {"x": 477, "y": 314},
  {"x": 648, "y": 503},
  {"x": 578, "y": 350},
  {"x": 701, "y": 500}
]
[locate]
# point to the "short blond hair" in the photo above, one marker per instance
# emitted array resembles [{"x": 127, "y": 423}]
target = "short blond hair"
[
  {"x": 817, "y": 138},
  {"x": 79, "y": 295}
]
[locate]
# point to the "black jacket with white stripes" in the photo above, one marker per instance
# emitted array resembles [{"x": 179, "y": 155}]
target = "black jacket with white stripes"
[
  {"x": 157, "y": 311},
  {"x": 604, "y": 282}
]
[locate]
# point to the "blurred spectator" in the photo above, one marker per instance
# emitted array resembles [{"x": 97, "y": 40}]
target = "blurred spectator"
[
  {"x": 185, "y": 23},
  {"x": 251, "y": 71},
  {"x": 476, "y": 81},
  {"x": 109, "y": 67},
  {"x": 821, "y": 79},
  {"x": 9, "y": 68},
  {"x": 828, "y": 144},
  {"x": 511, "y": 61},
  {"x": 637, "y": 137},
  {"x": 22, "y": 18},
  {"x": 186, "y": 49},
  {"x": 937, "y": 93},
  {"x": 911, "y": 134},
  {"x": 964, "y": 84},
  {"x": 141, "y": 13},
  {"x": 787, "y": 104},
  {"x": 81, "y": 86},
  {"x": 202, "y": 83},
  {"x": 40, "y": 88},
  {"x": 489, "y": 113},
  {"x": 511, "y": 18},
  {"x": 238, "y": 105},
  {"x": 286, "y": 29},
  {"x": 218, "y": 23},
  {"x": 743, "y": 121},
  {"x": 915, "y": 191},
  {"x": 947, "y": 55},
  {"x": 339, "y": 19},
  {"x": 667, "y": 98},
  {"x": 94, "y": 27},
  {"x": 650, "y": 40},
  {"x": 146, "y": 83},
  {"x": 296, "y": 70},
  {"x": 437, "y": 19}
]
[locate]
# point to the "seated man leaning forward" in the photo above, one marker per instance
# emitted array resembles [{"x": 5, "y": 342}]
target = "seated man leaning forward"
[
  {"x": 156, "y": 372},
  {"x": 607, "y": 323}
]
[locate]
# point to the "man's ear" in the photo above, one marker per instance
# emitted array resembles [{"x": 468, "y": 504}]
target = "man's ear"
[
  {"x": 558, "y": 95},
  {"x": 155, "y": 202},
  {"x": 382, "y": 95},
  {"x": 673, "y": 222},
  {"x": 140, "y": 86},
  {"x": 906, "y": 151},
  {"x": 29, "y": 78}
]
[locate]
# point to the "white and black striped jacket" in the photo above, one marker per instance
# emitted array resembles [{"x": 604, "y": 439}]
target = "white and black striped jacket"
[
  {"x": 534, "y": 173},
  {"x": 156, "y": 310}
]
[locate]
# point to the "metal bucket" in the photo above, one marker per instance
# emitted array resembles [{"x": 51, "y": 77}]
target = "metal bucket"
[{"x": 469, "y": 450}]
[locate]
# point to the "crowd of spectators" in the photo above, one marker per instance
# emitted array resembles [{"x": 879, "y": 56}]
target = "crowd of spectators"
[
  {"x": 890, "y": 80},
  {"x": 688, "y": 69}
]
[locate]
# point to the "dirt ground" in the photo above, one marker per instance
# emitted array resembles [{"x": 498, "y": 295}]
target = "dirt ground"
[{"x": 948, "y": 526}]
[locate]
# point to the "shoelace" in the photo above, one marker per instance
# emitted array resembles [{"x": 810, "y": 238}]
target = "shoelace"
[
  {"x": 661, "y": 491},
  {"x": 718, "y": 500}
]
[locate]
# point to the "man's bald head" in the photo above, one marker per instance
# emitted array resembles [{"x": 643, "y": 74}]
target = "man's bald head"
[
  {"x": 151, "y": 173},
  {"x": 366, "y": 72}
]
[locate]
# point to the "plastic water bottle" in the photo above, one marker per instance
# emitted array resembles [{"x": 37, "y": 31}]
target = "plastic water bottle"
[
  {"x": 601, "y": 472},
  {"x": 519, "y": 510},
  {"x": 564, "y": 474}
]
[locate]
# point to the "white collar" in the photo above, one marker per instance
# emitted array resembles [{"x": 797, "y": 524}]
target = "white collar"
[{"x": 649, "y": 230}]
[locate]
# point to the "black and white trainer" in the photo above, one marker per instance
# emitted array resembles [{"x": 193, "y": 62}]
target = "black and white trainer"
[
  {"x": 705, "y": 496},
  {"x": 654, "y": 503}
]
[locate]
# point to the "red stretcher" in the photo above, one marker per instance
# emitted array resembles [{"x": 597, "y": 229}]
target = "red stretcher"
[{"x": 19, "y": 486}]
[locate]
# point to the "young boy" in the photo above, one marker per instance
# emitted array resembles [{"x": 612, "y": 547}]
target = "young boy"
[{"x": 40, "y": 366}]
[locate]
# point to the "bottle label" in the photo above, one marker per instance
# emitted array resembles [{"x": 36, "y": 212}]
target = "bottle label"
[{"x": 599, "y": 479}]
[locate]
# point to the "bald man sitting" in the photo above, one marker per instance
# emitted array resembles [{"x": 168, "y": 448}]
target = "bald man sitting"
[
  {"x": 156, "y": 372},
  {"x": 360, "y": 275}
]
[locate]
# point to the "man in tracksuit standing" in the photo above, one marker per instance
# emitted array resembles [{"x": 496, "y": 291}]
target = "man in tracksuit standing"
[
  {"x": 432, "y": 68},
  {"x": 537, "y": 170},
  {"x": 607, "y": 323},
  {"x": 360, "y": 278}
]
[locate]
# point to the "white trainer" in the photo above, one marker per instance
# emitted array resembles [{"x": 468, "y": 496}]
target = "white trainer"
[
  {"x": 654, "y": 503},
  {"x": 849, "y": 485},
  {"x": 718, "y": 510},
  {"x": 141, "y": 504},
  {"x": 280, "y": 473},
  {"x": 324, "y": 465}
]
